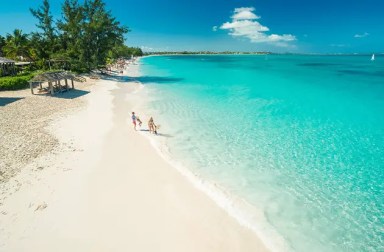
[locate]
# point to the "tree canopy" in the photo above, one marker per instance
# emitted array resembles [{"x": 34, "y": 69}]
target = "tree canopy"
[
  {"x": 86, "y": 36},
  {"x": 2, "y": 44},
  {"x": 16, "y": 45}
]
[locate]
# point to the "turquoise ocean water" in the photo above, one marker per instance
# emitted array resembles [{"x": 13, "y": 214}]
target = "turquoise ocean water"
[{"x": 299, "y": 138}]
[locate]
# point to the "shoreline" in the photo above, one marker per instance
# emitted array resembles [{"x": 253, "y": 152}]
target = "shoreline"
[
  {"x": 115, "y": 191},
  {"x": 237, "y": 208},
  {"x": 285, "y": 182}
]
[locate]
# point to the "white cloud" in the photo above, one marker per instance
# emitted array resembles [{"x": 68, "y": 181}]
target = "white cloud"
[
  {"x": 365, "y": 34},
  {"x": 149, "y": 49},
  {"x": 145, "y": 48},
  {"x": 243, "y": 24},
  {"x": 244, "y": 13},
  {"x": 214, "y": 28}
]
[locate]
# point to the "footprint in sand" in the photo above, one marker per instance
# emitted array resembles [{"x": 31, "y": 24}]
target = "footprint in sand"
[{"x": 41, "y": 206}]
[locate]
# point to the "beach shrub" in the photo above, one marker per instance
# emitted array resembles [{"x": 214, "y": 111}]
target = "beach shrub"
[{"x": 15, "y": 82}]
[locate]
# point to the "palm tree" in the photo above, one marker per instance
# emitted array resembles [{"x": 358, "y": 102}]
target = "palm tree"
[
  {"x": 17, "y": 45},
  {"x": 2, "y": 44}
]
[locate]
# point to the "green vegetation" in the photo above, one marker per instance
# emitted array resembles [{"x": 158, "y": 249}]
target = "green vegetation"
[
  {"x": 124, "y": 51},
  {"x": 85, "y": 37},
  {"x": 16, "y": 45},
  {"x": 2, "y": 44},
  {"x": 15, "y": 82}
]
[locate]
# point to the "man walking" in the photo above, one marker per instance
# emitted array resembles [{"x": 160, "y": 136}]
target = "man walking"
[{"x": 134, "y": 120}]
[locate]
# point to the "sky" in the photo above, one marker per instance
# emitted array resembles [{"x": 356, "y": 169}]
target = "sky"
[{"x": 296, "y": 26}]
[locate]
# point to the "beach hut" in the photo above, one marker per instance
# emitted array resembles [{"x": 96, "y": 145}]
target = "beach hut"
[
  {"x": 22, "y": 66},
  {"x": 57, "y": 81},
  {"x": 58, "y": 63},
  {"x": 7, "y": 67}
]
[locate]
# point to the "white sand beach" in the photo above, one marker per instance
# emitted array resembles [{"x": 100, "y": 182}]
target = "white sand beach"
[{"x": 103, "y": 187}]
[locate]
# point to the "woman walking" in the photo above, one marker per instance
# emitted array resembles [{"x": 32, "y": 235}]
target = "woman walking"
[{"x": 152, "y": 126}]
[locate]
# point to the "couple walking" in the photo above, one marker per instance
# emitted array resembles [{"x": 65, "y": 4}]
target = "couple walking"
[{"x": 152, "y": 127}]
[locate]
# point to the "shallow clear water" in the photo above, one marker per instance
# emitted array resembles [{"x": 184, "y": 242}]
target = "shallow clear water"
[{"x": 299, "y": 137}]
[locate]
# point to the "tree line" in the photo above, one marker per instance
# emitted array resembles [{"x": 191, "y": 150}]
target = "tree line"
[{"x": 86, "y": 37}]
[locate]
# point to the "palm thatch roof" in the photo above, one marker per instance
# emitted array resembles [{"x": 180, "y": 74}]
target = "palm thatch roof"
[
  {"x": 53, "y": 79},
  {"x": 5, "y": 60},
  {"x": 55, "y": 76}
]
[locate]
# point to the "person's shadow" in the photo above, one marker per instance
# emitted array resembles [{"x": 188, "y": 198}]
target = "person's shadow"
[{"x": 158, "y": 134}]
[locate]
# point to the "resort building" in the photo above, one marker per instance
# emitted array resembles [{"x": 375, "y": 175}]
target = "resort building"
[{"x": 7, "y": 67}]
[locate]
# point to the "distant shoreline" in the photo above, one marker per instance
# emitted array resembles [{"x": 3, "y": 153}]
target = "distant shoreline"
[{"x": 256, "y": 53}]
